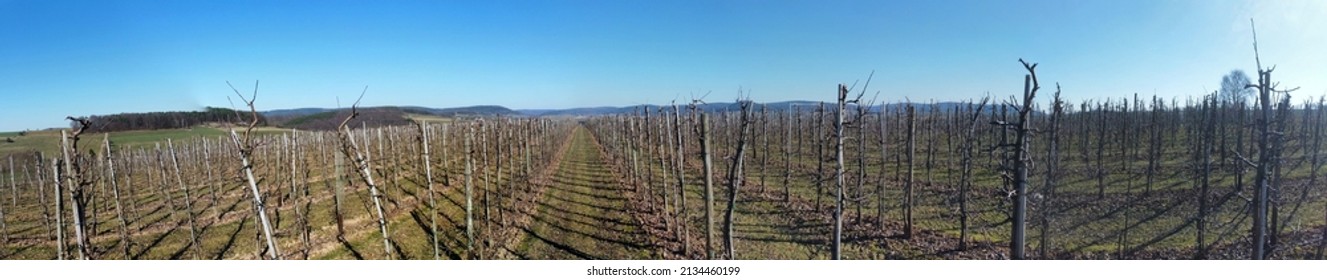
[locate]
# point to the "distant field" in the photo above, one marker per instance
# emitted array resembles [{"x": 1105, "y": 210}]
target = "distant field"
[
  {"x": 428, "y": 118},
  {"x": 48, "y": 141}
]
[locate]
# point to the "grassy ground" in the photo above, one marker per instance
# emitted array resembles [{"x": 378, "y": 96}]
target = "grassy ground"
[{"x": 583, "y": 213}]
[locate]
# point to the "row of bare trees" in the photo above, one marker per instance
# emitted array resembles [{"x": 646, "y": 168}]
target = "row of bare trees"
[
  {"x": 192, "y": 198},
  {"x": 1109, "y": 172}
]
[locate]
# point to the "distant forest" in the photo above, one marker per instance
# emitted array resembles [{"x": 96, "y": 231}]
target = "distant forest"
[{"x": 166, "y": 120}]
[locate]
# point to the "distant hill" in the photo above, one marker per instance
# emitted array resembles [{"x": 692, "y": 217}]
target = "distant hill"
[
  {"x": 329, "y": 120},
  {"x": 482, "y": 110},
  {"x": 731, "y": 106},
  {"x": 312, "y": 118}
]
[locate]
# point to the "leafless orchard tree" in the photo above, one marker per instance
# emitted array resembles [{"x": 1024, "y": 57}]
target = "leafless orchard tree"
[
  {"x": 840, "y": 129},
  {"x": 735, "y": 173},
  {"x": 76, "y": 179},
  {"x": 965, "y": 184},
  {"x": 353, "y": 151},
  {"x": 245, "y": 146},
  {"x": 1268, "y": 138},
  {"x": 1015, "y": 168},
  {"x": 1052, "y": 166}
]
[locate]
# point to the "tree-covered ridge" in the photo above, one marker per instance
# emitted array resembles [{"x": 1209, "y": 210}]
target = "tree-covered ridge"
[{"x": 165, "y": 120}]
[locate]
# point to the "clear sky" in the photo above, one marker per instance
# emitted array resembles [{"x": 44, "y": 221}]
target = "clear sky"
[{"x": 60, "y": 58}]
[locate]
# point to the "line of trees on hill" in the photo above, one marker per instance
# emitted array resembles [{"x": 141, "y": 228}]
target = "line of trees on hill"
[{"x": 161, "y": 120}]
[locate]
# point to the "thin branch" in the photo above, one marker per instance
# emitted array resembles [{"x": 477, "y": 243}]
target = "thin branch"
[{"x": 1256, "y": 59}]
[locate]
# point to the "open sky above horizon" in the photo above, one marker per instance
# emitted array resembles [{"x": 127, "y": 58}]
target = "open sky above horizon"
[{"x": 63, "y": 58}]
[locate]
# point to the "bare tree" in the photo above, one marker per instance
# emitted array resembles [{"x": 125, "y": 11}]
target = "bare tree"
[
  {"x": 735, "y": 176},
  {"x": 787, "y": 155},
  {"x": 884, "y": 158},
  {"x": 352, "y": 150},
  {"x": 819, "y": 137},
  {"x": 245, "y": 146},
  {"x": 1016, "y": 175},
  {"x": 1233, "y": 87},
  {"x": 908, "y": 183},
  {"x": 1052, "y": 162},
  {"x": 1316, "y": 164},
  {"x": 75, "y": 179},
  {"x": 966, "y": 182},
  {"x": 1207, "y": 126},
  {"x": 1267, "y": 139},
  {"x": 840, "y": 125}
]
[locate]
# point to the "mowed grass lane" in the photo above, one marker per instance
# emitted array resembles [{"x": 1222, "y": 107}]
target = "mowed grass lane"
[{"x": 582, "y": 214}]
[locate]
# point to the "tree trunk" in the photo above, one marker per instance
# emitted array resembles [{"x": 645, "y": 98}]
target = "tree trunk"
[
  {"x": 1052, "y": 162},
  {"x": 884, "y": 157},
  {"x": 819, "y": 137},
  {"x": 735, "y": 177},
  {"x": 1021, "y": 160},
  {"x": 907, "y": 185},
  {"x": 1313, "y": 171},
  {"x": 1264, "y": 166},
  {"x": 837, "y": 252},
  {"x": 966, "y": 181},
  {"x": 787, "y": 157},
  {"x": 245, "y": 153},
  {"x": 1207, "y": 125}
]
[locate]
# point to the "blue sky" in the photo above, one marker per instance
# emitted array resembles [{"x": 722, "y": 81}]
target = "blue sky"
[{"x": 62, "y": 58}]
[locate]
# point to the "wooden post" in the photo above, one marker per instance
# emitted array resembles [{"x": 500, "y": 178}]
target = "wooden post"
[
  {"x": 59, "y": 210},
  {"x": 469, "y": 193},
  {"x": 703, "y": 136}
]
